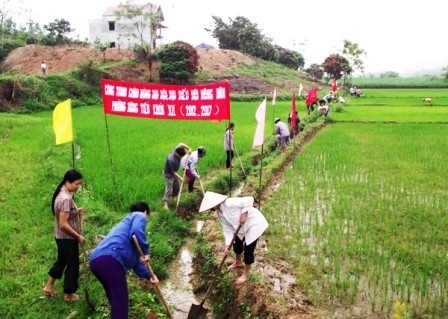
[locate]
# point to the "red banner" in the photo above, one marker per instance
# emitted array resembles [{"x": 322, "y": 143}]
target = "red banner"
[{"x": 159, "y": 101}]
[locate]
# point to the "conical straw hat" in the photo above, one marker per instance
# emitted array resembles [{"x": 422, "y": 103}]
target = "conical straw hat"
[{"x": 211, "y": 200}]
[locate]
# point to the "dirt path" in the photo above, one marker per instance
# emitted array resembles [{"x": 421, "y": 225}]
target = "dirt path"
[{"x": 277, "y": 293}]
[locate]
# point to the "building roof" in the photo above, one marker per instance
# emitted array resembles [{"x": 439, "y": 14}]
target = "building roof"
[{"x": 156, "y": 9}]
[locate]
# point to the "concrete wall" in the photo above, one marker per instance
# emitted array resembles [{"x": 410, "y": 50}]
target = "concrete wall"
[{"x": 121, "y": 36}]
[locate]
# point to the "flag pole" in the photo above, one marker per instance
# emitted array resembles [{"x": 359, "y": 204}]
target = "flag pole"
[
  {"x": 111, "y": 164},
  {"x": 73, "y": 153},
  {"x": 274, "y": 101},
  {"x": 230, "y": 157},
  {"x": 261, "y": 173}
]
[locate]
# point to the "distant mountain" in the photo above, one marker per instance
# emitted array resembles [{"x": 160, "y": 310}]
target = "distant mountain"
[
  {"x": 205, "y": 46},
  {"x": 432, "y": 67}
]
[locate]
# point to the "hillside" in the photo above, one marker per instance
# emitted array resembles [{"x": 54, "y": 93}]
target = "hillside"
[{"x": 215, "y": 64}]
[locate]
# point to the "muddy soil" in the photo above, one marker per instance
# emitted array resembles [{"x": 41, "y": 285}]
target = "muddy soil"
[{"x": 276, "y": 295}]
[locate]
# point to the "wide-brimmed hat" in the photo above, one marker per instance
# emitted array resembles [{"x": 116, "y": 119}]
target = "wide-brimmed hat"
[
  {"x": 211, "y": 200},
  {"x": 277, "y": 120}
]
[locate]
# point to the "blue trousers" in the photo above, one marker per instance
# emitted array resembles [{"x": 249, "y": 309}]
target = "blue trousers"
[{"x": 112, "y": 276}]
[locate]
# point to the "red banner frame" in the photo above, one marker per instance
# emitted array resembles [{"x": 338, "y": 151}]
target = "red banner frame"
[{"x": 160, "y": 101}]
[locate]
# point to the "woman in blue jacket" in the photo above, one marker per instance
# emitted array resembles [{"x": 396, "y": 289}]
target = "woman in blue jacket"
[{"x": 116, "y": 254}]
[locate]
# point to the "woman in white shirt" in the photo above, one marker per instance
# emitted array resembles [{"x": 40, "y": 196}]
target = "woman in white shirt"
[{"x": 231, "y": 213}]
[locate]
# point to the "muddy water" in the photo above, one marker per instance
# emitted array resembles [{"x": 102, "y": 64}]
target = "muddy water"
[{"x": 177, "y": 289}]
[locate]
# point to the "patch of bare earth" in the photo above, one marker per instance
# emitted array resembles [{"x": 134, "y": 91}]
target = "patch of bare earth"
[{"x": 27, "y": 60}]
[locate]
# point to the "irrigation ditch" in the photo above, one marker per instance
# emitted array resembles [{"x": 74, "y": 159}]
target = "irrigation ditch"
[{"x": 271, "y": 292}]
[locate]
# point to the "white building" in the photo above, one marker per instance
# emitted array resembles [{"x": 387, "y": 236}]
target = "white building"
[{"x": 123, "y": 32}]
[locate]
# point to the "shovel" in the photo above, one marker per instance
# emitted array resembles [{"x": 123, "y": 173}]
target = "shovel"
[
  {"x": 200, "y": 182},
  {"x": 198, "y": 311},
  {"x": 84, "y": 257},
  {"x": 241, "y": 163},
  {"x": 182, "y": 184},
  {"x": 202, "y": 186},
  {"x": 159, "y": 292}
]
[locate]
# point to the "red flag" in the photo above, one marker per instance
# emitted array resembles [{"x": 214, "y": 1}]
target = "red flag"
[
  {"x": 260, "y": 115},
  {"x": 293, "y": 112},
  {"x": 335, "y": 85},
  {"x": 311, "y": 97}
]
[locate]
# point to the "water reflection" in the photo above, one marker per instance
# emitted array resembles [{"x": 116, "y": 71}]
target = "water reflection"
[{"x": 177, "y": 289}]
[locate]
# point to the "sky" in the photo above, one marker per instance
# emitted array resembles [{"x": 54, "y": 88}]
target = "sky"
[{"x": 400, "y": 36}]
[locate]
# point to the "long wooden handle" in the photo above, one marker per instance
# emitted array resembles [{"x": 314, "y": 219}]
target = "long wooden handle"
[
  {"x": 219, "y": 268},
  {"x": 200, "y": 182},
  {"x": 182, "y": 183},
  {"x": 159, "y": 293}
]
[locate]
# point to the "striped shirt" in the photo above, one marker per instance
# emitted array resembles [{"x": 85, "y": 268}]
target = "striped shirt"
[{"x": 64, "y": 203}]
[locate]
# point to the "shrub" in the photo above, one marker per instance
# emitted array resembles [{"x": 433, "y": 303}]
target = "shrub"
[
  {"x": 9, "y": 45},
  {"x": 179, "y": 62}
]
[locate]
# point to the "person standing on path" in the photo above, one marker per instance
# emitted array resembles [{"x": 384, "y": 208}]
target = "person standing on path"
[
  {"x": 43, "y": 67},
  {"x": 228, "y": 145},
  {"x": 68, "y": 236},
  {"x": 116, "y": 254},
  {"x": 172, "y": 178},
  {"x": 231, "y": 213}
]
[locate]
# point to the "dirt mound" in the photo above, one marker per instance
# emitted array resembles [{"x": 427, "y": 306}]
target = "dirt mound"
[
  {"x": 217, "y": 60},
  {"x": 27, "y": 60}
]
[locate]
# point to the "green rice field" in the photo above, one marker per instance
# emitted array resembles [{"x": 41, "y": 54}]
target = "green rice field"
[
  {"x": 365, "y": 221},
  {"x": 360, "y": 215}
]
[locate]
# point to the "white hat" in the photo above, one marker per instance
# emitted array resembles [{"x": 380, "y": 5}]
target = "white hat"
[{"x": 211, "y": 200}]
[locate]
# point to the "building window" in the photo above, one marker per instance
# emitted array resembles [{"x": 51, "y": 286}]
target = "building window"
[{"x": 111, "y": 25}]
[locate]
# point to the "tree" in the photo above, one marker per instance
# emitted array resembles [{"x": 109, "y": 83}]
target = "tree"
[
  {"x": 288, "y": 58},
  {"x": 141, "y": 20},
  {"x": 242, "y": 35},
  {"x": 389, "y": 74},
  {"x": 102, "y": 46},
  {"x": 179, "y": 62},
  {"x": 316, "y": 71},
  {"x": 33, "y": 32},
  {"x": 4, "y": 14},
  {"x": 336, "y": 66},
  {"x": 174, "y": 66},
  {"x": 445, "y": 72},
  {"x": 353, "y": 53},
  {"x": 57, "y": 29},
  {"x": 192, "y": 56}
]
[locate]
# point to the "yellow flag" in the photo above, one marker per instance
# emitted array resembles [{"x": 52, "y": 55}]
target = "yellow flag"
[{"x": 62, "y": 122}]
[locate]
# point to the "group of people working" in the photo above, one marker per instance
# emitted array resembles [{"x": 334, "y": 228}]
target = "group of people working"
[
  {"x": 324, "y": 102},
  {"x": 116, "y": 254}
]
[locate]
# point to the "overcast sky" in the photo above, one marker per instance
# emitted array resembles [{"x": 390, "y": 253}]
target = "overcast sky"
[{"x": 397, "y": 35}]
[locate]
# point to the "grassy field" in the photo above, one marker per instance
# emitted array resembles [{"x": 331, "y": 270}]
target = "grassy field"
[
  {"x": 426, "y": 82},
  {"x": 31, "y": 166},
  {"x": 366, "y": 209}
]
